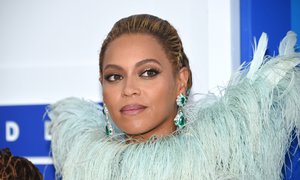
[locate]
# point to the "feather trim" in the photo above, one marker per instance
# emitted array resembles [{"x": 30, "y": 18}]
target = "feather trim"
[
  {"x": 244, "y": 134},
  {"x": 259, "y": 54},
  {"x": 287, "y": 45}
]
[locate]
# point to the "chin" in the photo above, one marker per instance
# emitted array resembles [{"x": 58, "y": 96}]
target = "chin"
[{"x": 134, "y": 131}]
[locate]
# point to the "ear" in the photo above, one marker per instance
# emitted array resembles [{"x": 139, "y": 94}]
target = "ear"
[{"x": 182, "y": 80}]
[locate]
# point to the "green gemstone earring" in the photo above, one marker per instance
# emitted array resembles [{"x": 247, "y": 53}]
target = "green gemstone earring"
[
  {"x": 181, "y": 100},
  {"x": 108, "y": 126},
  {"x": 180, "y": 119}
]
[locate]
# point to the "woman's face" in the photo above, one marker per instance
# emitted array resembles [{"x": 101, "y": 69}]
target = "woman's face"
[{"x": 139, "y": 86}]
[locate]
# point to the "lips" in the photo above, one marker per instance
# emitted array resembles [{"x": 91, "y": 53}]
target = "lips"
[{"x": 132, "y": 109}]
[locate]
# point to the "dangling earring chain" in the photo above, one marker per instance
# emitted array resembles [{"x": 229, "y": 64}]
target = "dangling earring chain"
[
  {"x": 108, "y": 126},
  {"x": 180, "y": 119}
]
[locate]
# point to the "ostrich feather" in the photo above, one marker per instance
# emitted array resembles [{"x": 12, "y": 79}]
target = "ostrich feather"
[
  {"x": 258, "y": 56},
  {"x": 274, "y": 70},
  {"x": 244, "y": 134},
  {"x": 288, "y": 43}
]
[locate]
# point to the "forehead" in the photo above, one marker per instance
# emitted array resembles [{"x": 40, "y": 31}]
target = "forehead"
[{"x": 134, "y": 47}]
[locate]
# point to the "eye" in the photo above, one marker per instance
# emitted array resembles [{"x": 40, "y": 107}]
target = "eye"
[
  {"x": 149, "y": 73},
  {"x": 113, "y": 77}
]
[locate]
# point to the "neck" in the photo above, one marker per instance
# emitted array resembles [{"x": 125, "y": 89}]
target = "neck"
[{"x": 162, "y": 130}]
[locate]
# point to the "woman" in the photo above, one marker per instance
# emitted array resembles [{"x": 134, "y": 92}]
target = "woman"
[{"x": 147, "y": 132}]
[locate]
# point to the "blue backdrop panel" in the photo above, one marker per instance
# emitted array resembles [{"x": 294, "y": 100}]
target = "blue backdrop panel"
[
  {"x": 27, "y": 135},
  {"x": 295, "y": 17},
  {"x": 270, "y": 16},
  {"x": 47, "y": 171},
  {"x": 30, "y": 122}
]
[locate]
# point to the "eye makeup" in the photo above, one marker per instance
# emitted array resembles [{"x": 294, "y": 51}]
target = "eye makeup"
[{"x": 149, "y": 72}]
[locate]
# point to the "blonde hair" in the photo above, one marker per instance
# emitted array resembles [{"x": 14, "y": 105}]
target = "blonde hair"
[{"x": 161, "y": 29}]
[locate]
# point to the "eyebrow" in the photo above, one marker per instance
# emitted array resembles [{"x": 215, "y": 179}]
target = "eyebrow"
[
  {"x": 140, "y": 63},
  {"x": 145, "y": 61}
]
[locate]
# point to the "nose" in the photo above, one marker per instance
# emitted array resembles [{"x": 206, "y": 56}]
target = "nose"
[{"x": 131, "y": 88}]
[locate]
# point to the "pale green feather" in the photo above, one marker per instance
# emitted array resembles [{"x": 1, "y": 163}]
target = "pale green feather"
[{"x": 244, "y": 134}]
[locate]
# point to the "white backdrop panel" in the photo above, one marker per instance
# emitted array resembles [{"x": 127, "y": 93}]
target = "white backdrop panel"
[{"x": 49, "y": 49}]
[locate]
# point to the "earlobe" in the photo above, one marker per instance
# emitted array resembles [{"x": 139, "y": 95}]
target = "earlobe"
[{"x": 183, "y": 77}]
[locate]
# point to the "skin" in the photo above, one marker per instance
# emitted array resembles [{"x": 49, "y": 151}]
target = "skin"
[{"x": 140, "y": 86}]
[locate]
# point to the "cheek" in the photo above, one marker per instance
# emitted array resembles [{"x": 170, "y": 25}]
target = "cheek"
[
  {"x": 162, "y": 94},
  {"x": 110, "y": 96}
]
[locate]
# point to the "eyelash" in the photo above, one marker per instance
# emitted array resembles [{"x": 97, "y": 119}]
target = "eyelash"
[
  {"x": 118, "y": 77},
  {"x": 154, "y": 72}
]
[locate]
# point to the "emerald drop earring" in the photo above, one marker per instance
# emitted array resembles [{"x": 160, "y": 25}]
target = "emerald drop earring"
[
  {"x": 108, "y": 126},
  {"x": 180, "y": 119}
]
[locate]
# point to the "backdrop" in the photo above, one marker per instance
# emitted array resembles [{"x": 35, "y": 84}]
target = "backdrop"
[{"x": 49, "y": 51}]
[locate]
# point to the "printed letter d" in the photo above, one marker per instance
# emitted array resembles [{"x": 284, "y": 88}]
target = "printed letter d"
[{"x": 12, "y": 131}]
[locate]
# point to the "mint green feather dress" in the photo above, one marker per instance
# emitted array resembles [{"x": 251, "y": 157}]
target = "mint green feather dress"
[{"x": 243, "y": 133}]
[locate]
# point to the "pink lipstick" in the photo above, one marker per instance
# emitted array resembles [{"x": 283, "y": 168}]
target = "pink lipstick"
[{"x": 132, "y": 109}]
